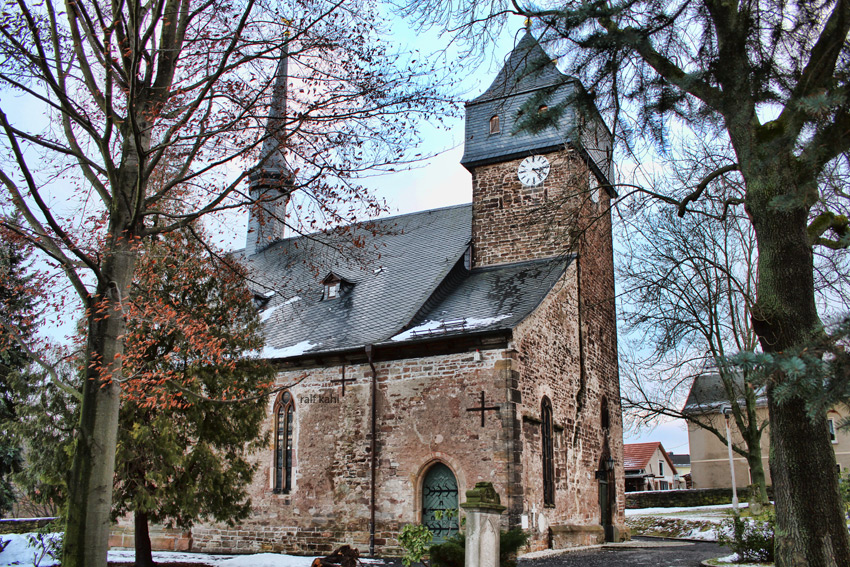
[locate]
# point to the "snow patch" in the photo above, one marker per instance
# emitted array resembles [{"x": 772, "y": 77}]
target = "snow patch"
[
  {"x": 19, "y": 553},
  {"x": 469, "y": 323},
  {"x": 267, "y": 560},
  {"x": 286, "y": 352},
  {"x": 264, "y": 315}
]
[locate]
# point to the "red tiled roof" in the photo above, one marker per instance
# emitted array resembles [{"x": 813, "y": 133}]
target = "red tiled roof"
[{"x": 637, "y": 455}]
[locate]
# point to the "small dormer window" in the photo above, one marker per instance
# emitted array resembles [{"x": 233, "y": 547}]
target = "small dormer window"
[
  {"x": 331, "y": 290},
  {"x": 334, "y": 286},
  {"x": 494, "y": 125}
]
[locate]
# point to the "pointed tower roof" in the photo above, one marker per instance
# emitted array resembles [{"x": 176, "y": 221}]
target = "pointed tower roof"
[
  {"x": 270, "y": 183},
  {"x": 528, "y": 68},
  {"x": 272, "y": 155},
  {"x": 529, "y": 74}
]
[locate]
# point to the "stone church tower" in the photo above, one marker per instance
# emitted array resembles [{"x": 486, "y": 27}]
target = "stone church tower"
[{"x": 480, "y": 346}]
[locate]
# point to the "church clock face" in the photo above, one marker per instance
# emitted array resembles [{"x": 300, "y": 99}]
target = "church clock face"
[{"x": 533, "y": 170}]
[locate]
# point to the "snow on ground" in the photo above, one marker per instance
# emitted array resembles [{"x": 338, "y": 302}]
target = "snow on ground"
[
  {"x": 18, "y": 553},
  {"x": 695, "y": 513},
  {"x": 698, "y": 522}
]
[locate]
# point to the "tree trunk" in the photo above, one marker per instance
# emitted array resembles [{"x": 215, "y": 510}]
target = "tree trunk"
[
  {"x": 759, "y": 481},
  {"x": 90, "y": 486},
  {"x": 810, "y": 527},
  {"x": 91, "y": 480},
  {"x": 142, "y": 537}
]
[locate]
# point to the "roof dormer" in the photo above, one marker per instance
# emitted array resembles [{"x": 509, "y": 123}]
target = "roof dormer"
[{"x": 334, "y": 286}]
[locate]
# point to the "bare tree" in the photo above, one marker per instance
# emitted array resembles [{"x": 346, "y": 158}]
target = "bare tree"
[
  {"x": 129, "y": 85},
  {"x": 688, "y": 286}
]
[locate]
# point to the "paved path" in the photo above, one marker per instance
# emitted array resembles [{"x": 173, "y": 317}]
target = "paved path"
[{"x": 645, "y": 552}]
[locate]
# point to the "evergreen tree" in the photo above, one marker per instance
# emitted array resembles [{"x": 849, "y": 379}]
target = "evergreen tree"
[
  {"x": 192, "y": 410},
  {"x": 17, "y": 320}
]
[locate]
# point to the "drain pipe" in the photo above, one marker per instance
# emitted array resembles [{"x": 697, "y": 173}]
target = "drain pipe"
[{"x": 373, "y": 451}]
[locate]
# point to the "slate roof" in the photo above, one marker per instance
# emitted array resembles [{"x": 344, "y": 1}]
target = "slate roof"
[
  {"x": 636, "y": 456},
  {"x": 708, "y": 393},
  {"x": 527, "y": 71},
  {"x": 680, "y": 459},
  {"x": 407, "y": 284}
]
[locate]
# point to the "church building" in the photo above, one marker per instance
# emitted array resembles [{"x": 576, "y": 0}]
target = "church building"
[{"x": 470, "y": 343}]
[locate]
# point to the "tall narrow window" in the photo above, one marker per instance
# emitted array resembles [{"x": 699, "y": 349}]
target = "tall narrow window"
[
  {"x": 831, "y": 424},
  {"x": 605, "y": 416},
  {"x": 284, "y": 417},
  {"x": 548, "y": 453},
  {"x": 494, "y": 124}
]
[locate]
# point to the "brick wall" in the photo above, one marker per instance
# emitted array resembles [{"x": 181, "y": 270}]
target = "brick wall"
[
  {"x": 512, "y": 223},
  {"x": 567, "y": 350},
  {"x": 422, "y": 419}
]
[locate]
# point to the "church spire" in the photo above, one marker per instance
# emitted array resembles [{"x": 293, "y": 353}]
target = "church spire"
[{"x": 271, "y": 184}]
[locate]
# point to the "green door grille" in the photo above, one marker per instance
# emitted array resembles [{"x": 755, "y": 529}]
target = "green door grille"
[{"x": 439, "y": 493}]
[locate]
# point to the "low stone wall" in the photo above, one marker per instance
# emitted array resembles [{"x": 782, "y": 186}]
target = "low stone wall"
[
  {"x": 162, "y": 539},
  {"x": 23, "y": 525},
  {"x": 686, "y": 498}
]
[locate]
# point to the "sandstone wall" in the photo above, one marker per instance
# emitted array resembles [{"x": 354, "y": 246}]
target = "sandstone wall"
[{"x": 422, "y": 419}]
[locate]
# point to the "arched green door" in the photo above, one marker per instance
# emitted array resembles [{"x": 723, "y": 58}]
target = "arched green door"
[{"x": 439, "y": 497}]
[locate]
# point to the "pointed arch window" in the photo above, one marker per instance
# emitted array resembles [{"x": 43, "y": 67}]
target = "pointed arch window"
[
  {"x": 548, "y": 453},
  {"x": 283, "y": 427}
]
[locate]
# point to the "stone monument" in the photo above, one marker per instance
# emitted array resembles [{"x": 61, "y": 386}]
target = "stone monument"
[{"x": 483, "y": 508}]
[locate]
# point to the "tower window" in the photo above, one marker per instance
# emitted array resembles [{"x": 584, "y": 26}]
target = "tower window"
[
  {"x": 494, "y": 125},
  {"x": 283, "y": 426},
  {"x": 548, "y": 453},
  {"x": 605, "y": 416}
]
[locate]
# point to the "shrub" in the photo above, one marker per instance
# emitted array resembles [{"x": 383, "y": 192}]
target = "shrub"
[
  {"x": 452, "y": 553},
  {"x": 844, "y": 488},
  {"x": 751, "y": 539},
  {"x": 414, "y": 540},
  {"x": 510, "y": 542}
]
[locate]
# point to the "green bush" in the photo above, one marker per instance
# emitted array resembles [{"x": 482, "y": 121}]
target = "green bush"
[
  {"x": 414, "y": 539},
  {"x": 751, "y": 539},
  {"x": 844, "y": 488},
  {"x": 510, "y": 543},
  {"x": 452, "y": 553}
]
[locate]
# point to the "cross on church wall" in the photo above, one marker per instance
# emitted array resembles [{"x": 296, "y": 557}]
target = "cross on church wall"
[
  {"x": 342, "y": 380},
  {"x": 483, "y": 408}
]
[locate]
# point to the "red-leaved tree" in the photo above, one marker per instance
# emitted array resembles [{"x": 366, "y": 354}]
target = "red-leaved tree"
[{"x": 107, "y": 93}]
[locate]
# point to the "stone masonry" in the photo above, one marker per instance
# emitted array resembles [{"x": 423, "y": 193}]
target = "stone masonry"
[{"x": 566, "y": 351}]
